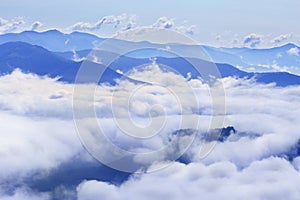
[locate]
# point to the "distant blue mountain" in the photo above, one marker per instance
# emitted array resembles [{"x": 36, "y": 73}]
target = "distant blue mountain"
[
  {"x": 38, "y": 60},
  {"x": 183, "y": 67},
  {"x": 283, "y": 58},
  {"x": 54, "y": 40}
]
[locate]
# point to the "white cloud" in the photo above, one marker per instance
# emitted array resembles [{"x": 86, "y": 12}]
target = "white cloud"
[
  {"x": 32, "y": 145},
  {"x": 91, "y": 190},
  {"x": 18, "y": 24},
  {"x": 164, "y": 22},
  {"x": 12, "y": 25},
  {"x": 106, "y": 26},
  {"x": 187, "y": 29},
  {"x": 119, "y": 71},
  {"x": 126, "y": 22},
  {"x": 82, "y": 26},
  {"x": 278, "y": 68},
  {"x": 3, "y": 22},
  {"x": 111, "y": 25},
  {"x": 293, "y": 51},
  {"x": 36, "y": 25},
  {"x": 281, "y": 38},
  {"x": 119, "y": 22},
  {"x": 271, "y": 178},
  {"x": 167, "y": 23},
  {"x": 252, "y": 40},
  {"x": 37, "y": 131},
  {"x": 42, "y": 136},
  {"x": 24, "y": 194},
  {"x": 76, "y": 57}
]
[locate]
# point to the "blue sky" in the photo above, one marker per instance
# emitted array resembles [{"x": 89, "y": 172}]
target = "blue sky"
[{"x": 212, "y": 19}]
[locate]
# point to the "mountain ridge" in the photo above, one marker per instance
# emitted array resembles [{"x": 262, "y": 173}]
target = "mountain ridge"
[
  {"x": 38, "y": 60},
  {"x": 281, "y": 58}
]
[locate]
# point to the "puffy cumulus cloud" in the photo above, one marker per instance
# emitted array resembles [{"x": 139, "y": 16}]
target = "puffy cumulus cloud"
[
  {"x": 252, "y": 40},
  {"x": 90, "y": 190},
  {"x": 296, "y": 163},
  {"x": 12, "y": 25},
  {"x": 106, "y": 26},
  {"x": 114, "y": 24},
  {"x": 18, "y": 24},
  {"x": 20, "y": 99},
  {"x": 167, "y": 23},
  {"x": 36, "y": 25},
  {"x": 281, "y": 38},
  {"x": 272, "y": 178},
  {"x": 119, "y": 22},
  {"x": 293, "y": 51},
  {"x": 164, "y": 22}
]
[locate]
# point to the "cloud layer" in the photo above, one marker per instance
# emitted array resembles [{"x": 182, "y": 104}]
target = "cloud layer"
[
  {"x": 272, "y": 178},
  {"x": 38, "y": 135}
]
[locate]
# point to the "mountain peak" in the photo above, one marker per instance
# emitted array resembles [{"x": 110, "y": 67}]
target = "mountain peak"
[
  {"x": 289, "y": 45},
  {"x": 53, "y": 31},
  {"x": 54, "y": 40},
  {"x": 83, "y": 34},
  {"x": 50, "y": 31}
]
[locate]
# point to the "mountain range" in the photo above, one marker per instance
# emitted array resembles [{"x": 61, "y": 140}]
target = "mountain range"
[{"x": 57, "y": 54}]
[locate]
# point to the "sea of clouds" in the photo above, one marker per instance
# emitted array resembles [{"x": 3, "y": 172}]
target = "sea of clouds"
[{"x": 38, "y": 135}]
